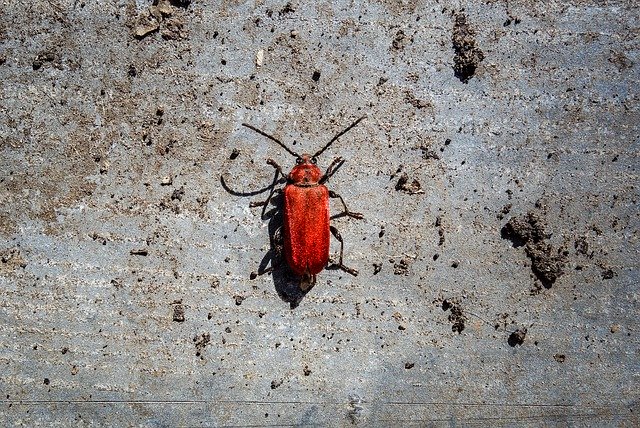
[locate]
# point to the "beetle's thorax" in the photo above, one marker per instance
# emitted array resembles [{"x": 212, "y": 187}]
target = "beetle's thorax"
[{"x": 305, "y": 173}]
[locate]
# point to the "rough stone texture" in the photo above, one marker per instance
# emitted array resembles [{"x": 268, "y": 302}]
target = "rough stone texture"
[{"x": 125, "y": 264}]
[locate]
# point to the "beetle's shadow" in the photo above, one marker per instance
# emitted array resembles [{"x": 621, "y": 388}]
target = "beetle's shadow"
[{"x": 286, "y": 283}]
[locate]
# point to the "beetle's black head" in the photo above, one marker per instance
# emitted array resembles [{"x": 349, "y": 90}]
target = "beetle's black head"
[{"x": 306, "y": 158}]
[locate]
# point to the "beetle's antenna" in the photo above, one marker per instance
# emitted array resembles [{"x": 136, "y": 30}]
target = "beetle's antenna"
[
  {"x": 274, "y": 139},
  {"x": 340, "y": 134}
]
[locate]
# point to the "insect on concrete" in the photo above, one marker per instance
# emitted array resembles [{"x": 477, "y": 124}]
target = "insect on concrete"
[{"x": 306, "y": 216}]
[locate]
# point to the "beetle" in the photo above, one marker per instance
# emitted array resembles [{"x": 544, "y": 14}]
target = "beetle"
[{"x": 306, "y": 213}]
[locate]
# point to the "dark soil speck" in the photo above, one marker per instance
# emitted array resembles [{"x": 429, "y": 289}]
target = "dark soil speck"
[
  {"x": 178, "y": 312},
  {"x": 377, "y": 267},
  {"x": 401, "y": 268},
  {"x": 201, "y": 342},
  {"x": 517, "y": 337},
  {"x": 276, "y": 383},
  {"x": 412, "y": 188},
  {"x": 607, "y": 274},
  {"x": 457, "y": 318},
  {"x": 467, "y": 55}
]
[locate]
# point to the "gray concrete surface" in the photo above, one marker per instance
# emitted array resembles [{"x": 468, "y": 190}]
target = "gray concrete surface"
[{"x": 496, "y": 169}]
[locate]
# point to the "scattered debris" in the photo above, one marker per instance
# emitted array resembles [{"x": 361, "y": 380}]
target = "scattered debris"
[
  {"x": 164, "y": 7},
  {"x": 260, "y": 58},
  {"x": 215, "y": 282},
  {"x": 438, "y": 224},
  {"x": 559, "y": 358},
  {"x": 523, "y": 230},
  {"x": 178, "y": 194},
  {"x": 276, "y": 383},
  {"x": 42, "y": 58},
  {"x": 147, "y": 22},
  {"x": 608, "y": 273},
  {"x": 517, "y": 337},
  {"x": 355, "y": 409},
  {"x": 621, "y": 61},
  {"x": 413, "y": 188},
  {"x": 11, "y": 259},
  {"x": 457, "y": 316},
  {"x": 401, "y": 268},
  {"x": 173, "y": 28},
  {"x": 428, "y": 154},
  {"x": 504, "y": 211},
  {"x": 132, "y": 72},
  {"x": 547, "y": 263},
  {"x": 201, "y": 342},
  {"x": 502, "y": 321},
  {"x": 178, "y": 311},
  {"x": 410, "y": 98},
  {"x": 582, "y": 247},
  {"x": 377, "y": 267},
  {"x": 288, "y": 8},
  {"x": 467, "y": 55},
  {"x": 399, "y": 41},
  {"x": 160, "y": 16}
]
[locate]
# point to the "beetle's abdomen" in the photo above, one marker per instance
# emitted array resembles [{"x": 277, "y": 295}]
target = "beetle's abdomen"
[{"x": 306, "y": 228}]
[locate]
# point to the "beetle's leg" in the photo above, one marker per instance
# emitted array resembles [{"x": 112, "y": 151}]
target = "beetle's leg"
[
  {"x": 346, "y": 211},
  {"x": 277, "y": 167},
  {"x": 260, "y": 272},
  {"x": 337, "y": 235},
  {"x": 276, "y": 255},
  {"x": 337, "y": 163},
  {"x": 254, "y": 275},
  {"x": 307, "y": 282},
  {"x": 264, "y": 204}
]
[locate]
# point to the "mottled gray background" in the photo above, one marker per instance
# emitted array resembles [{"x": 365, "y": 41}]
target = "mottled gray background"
[{"x": 126, "y": 297}]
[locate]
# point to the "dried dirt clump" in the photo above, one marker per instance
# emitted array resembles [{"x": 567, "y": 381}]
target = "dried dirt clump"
[{"x": 547, "y": 262}]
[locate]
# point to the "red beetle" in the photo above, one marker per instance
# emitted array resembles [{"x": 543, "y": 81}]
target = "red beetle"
[{"x": 306, "y": 212}]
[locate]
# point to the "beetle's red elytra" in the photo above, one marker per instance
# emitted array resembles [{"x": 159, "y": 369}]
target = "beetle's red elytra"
[{"x": 307, "y": 226}]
